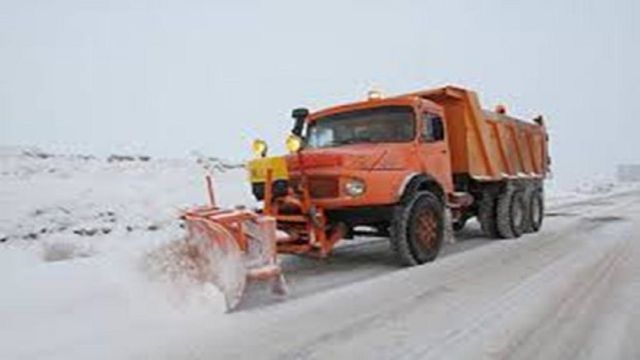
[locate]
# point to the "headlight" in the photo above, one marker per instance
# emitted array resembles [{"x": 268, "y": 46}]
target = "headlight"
[
  {"x": 355, "y": 187},
  {"x": 294, "y": 143},
  {"x": 259, "y": 148}
]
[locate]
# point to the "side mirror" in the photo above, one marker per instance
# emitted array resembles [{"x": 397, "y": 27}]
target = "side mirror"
[{"x": 299, "y": 115}]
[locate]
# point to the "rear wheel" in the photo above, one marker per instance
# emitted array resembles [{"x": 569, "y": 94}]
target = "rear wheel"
[
  {"x": 536, "y": 210},
  {"x": 511, "y": 213},
  {"x": 487, "y": 215},
  {"x": 528, "y": 193},
  {"x": 418, "y": 229}
]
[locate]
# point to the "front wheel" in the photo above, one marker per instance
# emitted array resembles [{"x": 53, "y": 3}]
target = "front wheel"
[{"x": 418, "y": 229}]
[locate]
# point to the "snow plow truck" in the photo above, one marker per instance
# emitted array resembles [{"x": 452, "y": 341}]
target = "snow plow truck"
[{"x": 403, "y": 167}]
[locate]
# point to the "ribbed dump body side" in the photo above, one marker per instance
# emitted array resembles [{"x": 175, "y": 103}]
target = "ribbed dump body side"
[{"x": 486, "y": 145}]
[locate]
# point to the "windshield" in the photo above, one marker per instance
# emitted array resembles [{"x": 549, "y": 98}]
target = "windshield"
[{"x": 378, "y": 125}]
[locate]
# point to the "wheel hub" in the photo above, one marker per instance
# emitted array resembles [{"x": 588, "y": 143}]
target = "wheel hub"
[{"x": 426, "y": 229}]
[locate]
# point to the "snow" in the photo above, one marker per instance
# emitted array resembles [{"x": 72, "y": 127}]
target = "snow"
[
  {"x": 78, "y": 234},
  {"x": 91, "y": 268}
]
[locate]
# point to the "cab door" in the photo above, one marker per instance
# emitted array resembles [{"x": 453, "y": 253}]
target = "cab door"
[{"x": 433, "y": 146}]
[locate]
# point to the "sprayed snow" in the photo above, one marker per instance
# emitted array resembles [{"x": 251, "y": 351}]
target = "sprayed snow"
[{"x": 90, "y": 246}]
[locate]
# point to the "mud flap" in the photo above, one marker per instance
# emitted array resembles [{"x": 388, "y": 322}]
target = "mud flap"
[{"x": 449, "y": 236}]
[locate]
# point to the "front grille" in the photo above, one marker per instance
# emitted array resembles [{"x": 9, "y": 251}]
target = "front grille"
[{"x": 324, "y": 187}]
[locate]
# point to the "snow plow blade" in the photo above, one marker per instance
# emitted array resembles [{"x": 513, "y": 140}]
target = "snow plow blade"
[{"x": 233, "y": 247}]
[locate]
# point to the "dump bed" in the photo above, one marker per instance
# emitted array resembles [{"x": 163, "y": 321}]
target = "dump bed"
[{"x": 486, "y": 145}]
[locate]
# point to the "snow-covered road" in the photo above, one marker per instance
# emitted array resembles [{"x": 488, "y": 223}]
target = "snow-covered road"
[
  {"x": 76, "y": 232},
  {"x": 570, "y": 291}
]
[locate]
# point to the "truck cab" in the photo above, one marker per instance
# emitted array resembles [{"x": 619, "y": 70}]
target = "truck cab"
[{"x": 365, "y": 153}]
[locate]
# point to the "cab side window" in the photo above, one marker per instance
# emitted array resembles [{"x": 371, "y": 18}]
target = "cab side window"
[{"x": 433, "y": 129}]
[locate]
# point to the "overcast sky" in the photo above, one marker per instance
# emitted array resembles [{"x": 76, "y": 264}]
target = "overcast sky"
[{"x": 167, "y": 77}]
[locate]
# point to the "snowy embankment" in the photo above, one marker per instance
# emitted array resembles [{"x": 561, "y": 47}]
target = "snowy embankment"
[{"x": 76, "y": 233}]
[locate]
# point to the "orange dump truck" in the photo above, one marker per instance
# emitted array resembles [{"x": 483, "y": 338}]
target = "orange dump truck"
[
  {"x": 397, "y": 164},
  {"x": 402, "y": 167}
]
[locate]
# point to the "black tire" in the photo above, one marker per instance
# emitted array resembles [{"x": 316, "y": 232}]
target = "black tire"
[
  {"x": 487, "y": 215},
  {"x": 511, "y": 213},
  {"x": 536, "y": 210},
  {"x": 417, "y": 230},
  {"x": 529, "y": 191}
]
